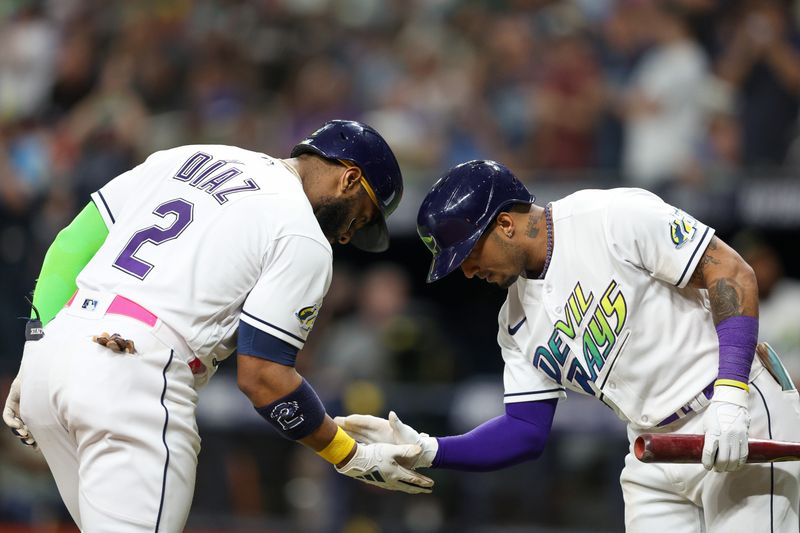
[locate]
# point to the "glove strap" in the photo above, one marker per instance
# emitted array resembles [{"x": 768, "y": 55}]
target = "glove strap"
[
  {"x": 338, "y": 448},
  {"x": 734, "y": 395},
  {"x": 732, "y": 383}
]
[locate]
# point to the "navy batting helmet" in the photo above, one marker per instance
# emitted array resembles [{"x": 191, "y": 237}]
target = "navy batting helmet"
[
  {"x": 353, "y": 141},
  {"x": 460, "y": 207}
]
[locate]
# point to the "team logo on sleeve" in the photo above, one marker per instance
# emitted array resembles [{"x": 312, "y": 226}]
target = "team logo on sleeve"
[
  {"x": 682, "y": 228},
  {"x": 307, "y": 316}
]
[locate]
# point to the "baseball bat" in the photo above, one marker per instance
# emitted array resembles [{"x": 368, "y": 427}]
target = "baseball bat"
[{"x": 677, "y": 448}]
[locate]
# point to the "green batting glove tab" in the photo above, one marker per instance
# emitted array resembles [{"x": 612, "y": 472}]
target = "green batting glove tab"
[{"x": 72, "y": 249}]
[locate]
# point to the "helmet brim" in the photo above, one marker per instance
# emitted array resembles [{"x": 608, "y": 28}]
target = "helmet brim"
[
  {"x": 449, "y": 259},
  {"x": 373, "y": 237}
]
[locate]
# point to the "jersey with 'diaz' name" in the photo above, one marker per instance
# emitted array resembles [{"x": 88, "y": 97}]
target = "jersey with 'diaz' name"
[
  {"x": 613, "y": 316},
  {"x": 205, "y": 236}
]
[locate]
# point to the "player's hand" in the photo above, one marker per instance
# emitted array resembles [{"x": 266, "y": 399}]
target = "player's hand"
[
  {"x": 367, "y": 429},
  {"x": 12, "y": 419},
  {"x": 382, "y": 465},
  {"x": 726, "y": 425},
  {"x": 371, "y": 429}
]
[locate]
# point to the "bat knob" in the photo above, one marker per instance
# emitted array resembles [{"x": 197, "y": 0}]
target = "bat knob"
[{"x": 641, "y": 450}]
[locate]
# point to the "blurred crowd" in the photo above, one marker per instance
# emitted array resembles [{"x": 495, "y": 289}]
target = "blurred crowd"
[{"x": 649, "y": 93}]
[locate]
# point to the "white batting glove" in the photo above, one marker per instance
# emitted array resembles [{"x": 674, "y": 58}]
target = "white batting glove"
[
  {"x": 12, "y": 419},
  {"x": 726, "y": 424},
  {"x": 380, "y": 465},
  {"x": 371, "y": 429}
]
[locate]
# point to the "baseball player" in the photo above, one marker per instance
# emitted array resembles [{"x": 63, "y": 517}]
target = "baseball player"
[
  {"x": 617, "y": 295},
  {"x": 195, "y": 253}
]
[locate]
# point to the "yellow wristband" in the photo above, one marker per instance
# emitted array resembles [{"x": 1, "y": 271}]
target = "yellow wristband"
[
  {"x": 732, "y": 383},
  {"x": 338, "y": 448}
]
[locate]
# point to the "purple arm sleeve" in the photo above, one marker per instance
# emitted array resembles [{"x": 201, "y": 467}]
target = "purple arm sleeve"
[{"x": 517, "y": 436}]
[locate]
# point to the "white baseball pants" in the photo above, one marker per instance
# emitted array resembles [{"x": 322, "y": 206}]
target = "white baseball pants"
[
  {"x": 118, "y": 430},
  {"x": 687, "y": 498}
]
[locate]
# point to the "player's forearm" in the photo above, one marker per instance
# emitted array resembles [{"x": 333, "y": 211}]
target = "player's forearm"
[
  {"x": 322, "y": 436},
  {"x": 285, "y": 400},
  {"x": 733, "y": 295},
  {"x": 518, "y": 436},
  {"x": 71, "y": 250}
]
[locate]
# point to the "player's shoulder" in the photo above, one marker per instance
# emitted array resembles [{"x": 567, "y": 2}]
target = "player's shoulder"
[
  {"x": 588, "y": 201},
  {"x": 277, "y": 201},
  {"x": 282, "y": 214},
  {"x": 205, "y": 154}
]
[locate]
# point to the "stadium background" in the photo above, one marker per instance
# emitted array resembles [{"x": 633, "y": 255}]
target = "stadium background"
[{"x": 696, "y": 100}]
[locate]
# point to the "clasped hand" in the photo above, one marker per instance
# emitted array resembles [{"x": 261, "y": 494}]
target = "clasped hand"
[{"x": 726, "y": 425}]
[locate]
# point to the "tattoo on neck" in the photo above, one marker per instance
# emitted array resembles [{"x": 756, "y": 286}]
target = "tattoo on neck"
[
  {"x": 533, "y": 225},
  {"x": 725, "y": 300}
]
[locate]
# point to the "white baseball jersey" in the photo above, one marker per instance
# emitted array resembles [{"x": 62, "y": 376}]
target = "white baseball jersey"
[
  {"x": 205, "y": 236},
  {"x": 613, "y": 317}
]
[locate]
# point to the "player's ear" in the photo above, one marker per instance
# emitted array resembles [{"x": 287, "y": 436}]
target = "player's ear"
[
  {"x": 349, "y": 180},
  {"x": 505, "y": 224}
]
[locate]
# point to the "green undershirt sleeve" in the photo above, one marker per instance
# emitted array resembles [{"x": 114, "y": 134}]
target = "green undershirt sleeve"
[{"x": 71, "y": 250}]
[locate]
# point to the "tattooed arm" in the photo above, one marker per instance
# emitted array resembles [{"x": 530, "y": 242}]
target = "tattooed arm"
[
  {"x": 730, "y": 281},
  {"x": 733, "y": 293}
]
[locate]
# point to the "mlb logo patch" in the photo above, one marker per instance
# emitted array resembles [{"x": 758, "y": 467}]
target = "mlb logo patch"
[{"x": 89, "y": 304}]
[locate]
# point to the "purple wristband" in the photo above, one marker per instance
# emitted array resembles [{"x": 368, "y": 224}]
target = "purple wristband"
[{"x": 738, "y": 336}]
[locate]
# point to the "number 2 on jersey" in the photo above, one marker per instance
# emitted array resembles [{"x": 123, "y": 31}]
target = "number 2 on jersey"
[{"x": 127, "y": 260}]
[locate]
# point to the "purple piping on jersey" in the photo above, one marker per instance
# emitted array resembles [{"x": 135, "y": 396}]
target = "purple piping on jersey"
[
  {"x": 691, "y": 259},
  {"x": 516, "y": 437},
  {"x": 772, "y": 465},
  {"x": 164, "y": 440},
  {"x": 738, "y": 336},
  {"x": 108, "y": 209},
  {"x": 273, "y": 326}
]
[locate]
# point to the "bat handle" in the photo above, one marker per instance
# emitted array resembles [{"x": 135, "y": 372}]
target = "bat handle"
[
  {"x": 686, "y": 448},
  {"x": 670, "y": 448}
]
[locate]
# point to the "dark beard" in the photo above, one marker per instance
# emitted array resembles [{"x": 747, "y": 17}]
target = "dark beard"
[{"x": 334, "y": 216}]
